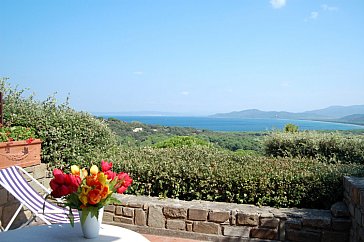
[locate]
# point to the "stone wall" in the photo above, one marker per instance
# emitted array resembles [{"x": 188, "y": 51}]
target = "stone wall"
[
  {"x": 354, "y": 199},
  {"x": 215, "y": 221},
  {"x": 226, "y": 222},
  {"x": 9, "y": 204}
]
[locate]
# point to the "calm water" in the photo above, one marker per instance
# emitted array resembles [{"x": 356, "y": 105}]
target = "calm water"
[{"x": 231, "y": 124}]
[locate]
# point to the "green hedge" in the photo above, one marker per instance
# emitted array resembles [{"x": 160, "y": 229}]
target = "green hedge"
[
  {"x": 328, "y": 147},
  {"x": 68, "y": 136},
  {"x": 214, "y": 175}
]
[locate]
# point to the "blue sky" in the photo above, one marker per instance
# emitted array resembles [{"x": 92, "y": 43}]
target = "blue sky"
[{"x": 186, "y": 56}]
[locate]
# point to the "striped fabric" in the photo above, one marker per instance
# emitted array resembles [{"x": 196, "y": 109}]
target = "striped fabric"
[{"x": 13, "y": 181}]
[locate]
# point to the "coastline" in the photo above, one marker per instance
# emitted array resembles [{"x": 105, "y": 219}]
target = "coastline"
[{"x": 236, "y": 124}]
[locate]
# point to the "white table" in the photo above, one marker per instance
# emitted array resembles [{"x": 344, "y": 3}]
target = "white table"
[{"x": 64, "y": 232}]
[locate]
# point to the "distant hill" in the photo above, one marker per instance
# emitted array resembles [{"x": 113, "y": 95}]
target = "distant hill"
[
  {"x": 354, "y": 119},
  {"x": 330, "y": 113},
  {"x": 338, "y": 112}
]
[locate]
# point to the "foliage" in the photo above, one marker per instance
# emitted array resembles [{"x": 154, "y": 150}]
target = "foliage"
[
  {"x": 291, "y": 128},
  {"x": 328, "y": 147},
  {"x": 16, "y": 133},
  {"x": 235, "y": 141},
  {"x": 68, "y": 136},
  {"x": 214, "y": 175},
  {"x": 149, "y": 135},
  {"x": 182, "y": 141}
]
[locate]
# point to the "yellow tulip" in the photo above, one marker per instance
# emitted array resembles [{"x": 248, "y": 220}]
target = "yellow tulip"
[
  {"x": 83, "y": 198},
  {"x": 75, "y": 170},
  {"x": 102, "y": 178},
  {"x": 84, "y": 173},
  {"x": 94, "y": 170}
]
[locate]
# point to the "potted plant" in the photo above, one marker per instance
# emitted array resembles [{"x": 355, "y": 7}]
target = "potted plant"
[{"x": 18, "y": 147}]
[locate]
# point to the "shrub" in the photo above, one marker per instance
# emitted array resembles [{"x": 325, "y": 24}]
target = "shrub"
[
  {"x": 68, "y": 136},
  {"x": 182, "y": 141},
  {"x": 328, "y": 147},
  {"x": 291, "y": 128},
  {"x": 214, "y": 175}
]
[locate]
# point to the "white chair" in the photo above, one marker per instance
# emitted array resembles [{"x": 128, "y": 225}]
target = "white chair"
[{"x": 14, "y": 182}]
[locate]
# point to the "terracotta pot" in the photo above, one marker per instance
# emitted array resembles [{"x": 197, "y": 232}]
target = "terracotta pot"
[{"x": 20, "y": 153}]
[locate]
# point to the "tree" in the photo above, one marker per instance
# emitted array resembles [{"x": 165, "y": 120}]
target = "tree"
[{"x": 291, "y": 128}]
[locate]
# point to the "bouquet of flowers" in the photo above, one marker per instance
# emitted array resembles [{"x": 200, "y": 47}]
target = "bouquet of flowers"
[{"x": 88, "y": 190}]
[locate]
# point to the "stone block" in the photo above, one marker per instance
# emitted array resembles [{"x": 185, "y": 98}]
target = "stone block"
[
  {"x": 247, "y": 219},
  {"x": 135, "y": 205},
  {"x": 123, "y": 220},
  {"x": 357, "y": 216},
  {"x": 7, "y": 213},
  {"x": 355, "y": 195},
  {"x": 302, "y": 236},
  {"x": 293, "y": 224},
  {"x": 45, "y": 182},
  {"x": 317, "y": 222},
  {"x": 269, "y": 223},
  {"x": 155, "y": 217},
  {"x": 1, "y": 213},
  {"x": 340, "y": 209},
  {"x": 139, "y": 217},
  {"x": 175, "y": 212},
  {"x": 282, "y": 230},
  {"x": 264, "y": 233},
  {"x": 119, "y": 210},
  {"x": 239, "y": 231},
  {"x": 128, "y": 212},
  {"x": 233, "y": 217},
  {"x": 341, "y": 224},
  {"x": 361, "y": 198},
  {"x": 219, "y": 216},
  {"x": 3, "y": 196},
  {"x": 335, "y": 236},
  {"x": 12, "y": 199},
  {"x": 206, "y": 227},
  {"x": 36, "y": 187},
  {"x": 176, "y": 224},
  {"x": 351, "y": 209},
  {"x": 39, "y": 173},
  {"x": 360, "y": 234},
  {"x": 266, "y": 215},
  {"x": 108, "y": 217},
  {"x": 189, "y": 226},
  {"x": 197, "y": 214},
  {"x": 110, "y": 208},
  {"x": 30, "y": 169}
]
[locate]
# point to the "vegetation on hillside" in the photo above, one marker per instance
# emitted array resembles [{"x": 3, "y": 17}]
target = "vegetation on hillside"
[
  {"x": 142, "y": 135},
  {"x": 186, "y": 163}
]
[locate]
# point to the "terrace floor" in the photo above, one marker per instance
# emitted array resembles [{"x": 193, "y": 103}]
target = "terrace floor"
[{"x": 157, "y": 238}]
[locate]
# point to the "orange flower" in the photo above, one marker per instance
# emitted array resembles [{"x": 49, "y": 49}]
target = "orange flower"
[
  {"x": 94, "y": 196},
  {"x": 104, "y": 192},
  {"x": 92, "y": 181}
]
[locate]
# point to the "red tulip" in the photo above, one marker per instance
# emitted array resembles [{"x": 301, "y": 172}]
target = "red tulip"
[
  {"x": 106, "y": 166},
  {"x": 63, "y": 184}
]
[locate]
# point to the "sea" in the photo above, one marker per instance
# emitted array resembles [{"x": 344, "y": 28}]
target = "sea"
[{"x": 235, "y": 124}]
